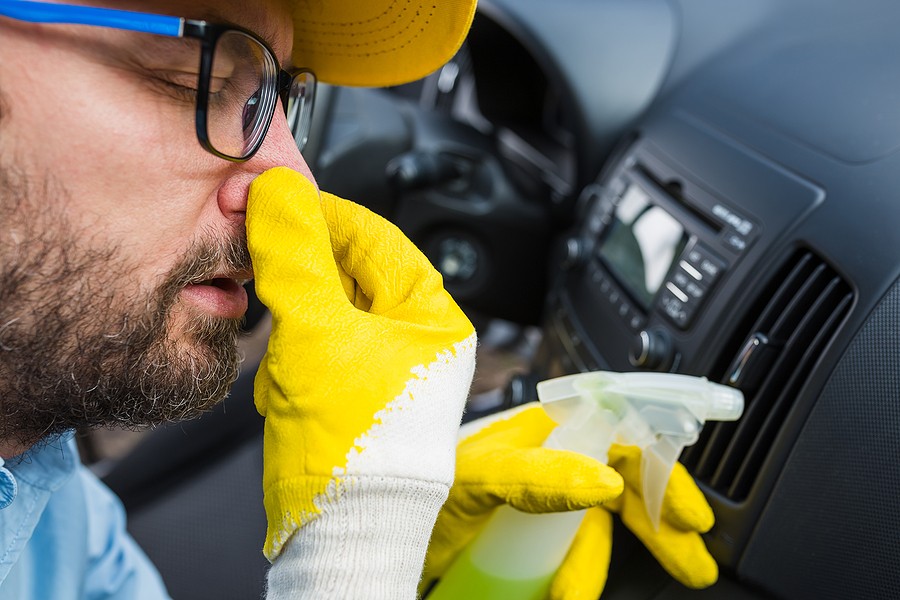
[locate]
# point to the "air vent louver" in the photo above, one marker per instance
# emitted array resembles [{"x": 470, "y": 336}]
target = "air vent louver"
[{"x": 773, "y": 353}]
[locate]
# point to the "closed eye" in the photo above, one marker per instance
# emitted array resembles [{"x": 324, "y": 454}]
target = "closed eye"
[{"x": 182, "y": 91}]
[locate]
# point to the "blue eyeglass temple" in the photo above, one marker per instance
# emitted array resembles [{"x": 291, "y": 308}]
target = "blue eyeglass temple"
[{"x": 43, "y": 12}]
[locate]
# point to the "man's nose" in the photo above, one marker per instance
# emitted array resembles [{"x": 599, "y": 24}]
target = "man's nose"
[{"x": 278, "y": 150}]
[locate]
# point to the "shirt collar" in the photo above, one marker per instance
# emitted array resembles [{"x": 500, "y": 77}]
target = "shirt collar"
[{"x": 46, "y": 465}]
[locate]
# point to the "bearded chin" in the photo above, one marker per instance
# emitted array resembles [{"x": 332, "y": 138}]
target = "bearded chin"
[
  {"x": 146, "y": 378},
  {"x": 77, "y": 350}
]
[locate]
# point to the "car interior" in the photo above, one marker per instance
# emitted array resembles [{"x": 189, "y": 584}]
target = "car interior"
[{"x": 702, "y": 187}]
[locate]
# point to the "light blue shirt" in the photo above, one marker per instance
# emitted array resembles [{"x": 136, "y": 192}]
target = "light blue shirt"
[{"x": 62, "y": 533}]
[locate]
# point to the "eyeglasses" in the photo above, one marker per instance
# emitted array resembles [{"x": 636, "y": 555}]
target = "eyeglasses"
[{"x": 234, "y": 107}]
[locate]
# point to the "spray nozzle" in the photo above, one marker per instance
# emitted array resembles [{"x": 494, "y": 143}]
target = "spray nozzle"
[{"x": 661, "y": 413}]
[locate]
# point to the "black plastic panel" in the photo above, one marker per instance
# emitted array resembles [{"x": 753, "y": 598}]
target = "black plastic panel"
[
  {"x": 702, "y": 178},
  {"x": 833, "y": 529}
]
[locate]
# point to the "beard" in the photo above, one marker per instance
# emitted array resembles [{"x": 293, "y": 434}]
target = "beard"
[{"x": 78, "y": 348}]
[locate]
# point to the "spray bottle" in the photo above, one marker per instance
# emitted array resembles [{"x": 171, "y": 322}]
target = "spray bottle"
[{"x": 517, "y": 554}]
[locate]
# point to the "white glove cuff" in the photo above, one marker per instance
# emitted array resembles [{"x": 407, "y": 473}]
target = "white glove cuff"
[{"x": 370, "y": 545}]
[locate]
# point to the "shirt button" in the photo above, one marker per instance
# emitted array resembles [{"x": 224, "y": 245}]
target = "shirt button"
[{"x": 8, "y": 487}]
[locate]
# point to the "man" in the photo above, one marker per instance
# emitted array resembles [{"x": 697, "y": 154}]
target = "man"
[{"x": 122, "y": 253}]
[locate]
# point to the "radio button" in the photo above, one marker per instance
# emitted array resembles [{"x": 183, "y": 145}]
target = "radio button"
[
  {"x": 694, "y": 291},
  {"x": 676, "y": 291},
  {"x": 691, "y": 270},
  {"x": 734, "y": 241},
  {"x": 701, "y": 260},
  {"x": 711, "y": 268},
  {"x": 635, "y": 321},
  {"x": 681, "y": 278},
  {"x": 680, "y": 313}
]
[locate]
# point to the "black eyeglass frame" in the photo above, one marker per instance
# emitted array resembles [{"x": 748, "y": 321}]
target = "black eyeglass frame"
[{"x": 208, "y": 34}]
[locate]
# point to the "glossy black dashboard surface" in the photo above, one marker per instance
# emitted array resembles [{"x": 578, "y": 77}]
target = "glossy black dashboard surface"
[
  {"x": 789, "y": 130},
  {"x": 757, "y": 144}
]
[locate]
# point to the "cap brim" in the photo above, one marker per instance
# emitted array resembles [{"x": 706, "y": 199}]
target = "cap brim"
[{"x": 378, "y": 42}]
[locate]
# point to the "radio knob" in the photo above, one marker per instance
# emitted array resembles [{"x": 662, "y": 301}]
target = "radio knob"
[
  {"x": 652, "y": 350},
  {"x": 573, "y": 253}
]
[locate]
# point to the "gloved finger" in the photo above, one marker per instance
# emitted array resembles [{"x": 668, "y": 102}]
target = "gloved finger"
[
  {"x": 500, "y": 461},
  {"x": 682, "y": 554},
  {"x": 389, "y": 269},
  {"x": 504, "y": 463},
  {"x": 466, "y": 512},
  {"x": 684, "y": 505},
  {"x": 535, "y": 480},
  {"x": 583, "y": 573},
  {"x": 289, "y": 241}
]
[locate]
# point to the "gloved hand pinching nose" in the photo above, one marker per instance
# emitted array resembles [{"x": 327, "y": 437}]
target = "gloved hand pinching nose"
[{"x": 364, "y": 382}]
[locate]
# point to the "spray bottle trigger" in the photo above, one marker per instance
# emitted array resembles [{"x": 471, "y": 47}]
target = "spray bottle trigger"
[{"x": 657, "y": 462}]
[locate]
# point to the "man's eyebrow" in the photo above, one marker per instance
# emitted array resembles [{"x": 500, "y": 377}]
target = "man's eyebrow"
[{"x": 166, "y": 47}]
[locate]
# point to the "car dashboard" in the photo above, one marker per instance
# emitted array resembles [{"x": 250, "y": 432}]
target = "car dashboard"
[{"x": 716, "y": 183}]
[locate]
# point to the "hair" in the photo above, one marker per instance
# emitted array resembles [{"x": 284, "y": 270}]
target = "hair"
[{"x": 4, "y": 105}]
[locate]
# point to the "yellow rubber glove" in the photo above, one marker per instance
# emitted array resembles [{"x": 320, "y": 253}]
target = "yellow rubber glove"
[
  {"x": 677, "y": 545},
  {"x": 502, "y": 463},
  {"x": 366, "y": 374}
]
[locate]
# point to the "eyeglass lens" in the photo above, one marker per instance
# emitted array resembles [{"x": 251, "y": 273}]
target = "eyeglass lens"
[
  {"x": 243, "y": 93},
  {"x": 299, "y": 106}
]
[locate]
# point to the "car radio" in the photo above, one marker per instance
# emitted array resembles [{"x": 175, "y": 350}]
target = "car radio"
[
  {"x": 666, "y": 252},
  {"x": 655, "y": 247}
]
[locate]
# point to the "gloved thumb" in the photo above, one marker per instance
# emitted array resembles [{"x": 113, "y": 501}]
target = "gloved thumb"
[{"x": 289, "y": 242}]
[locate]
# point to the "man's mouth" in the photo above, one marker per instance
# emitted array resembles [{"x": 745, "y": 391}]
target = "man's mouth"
[{"x": 222, "y": 295}]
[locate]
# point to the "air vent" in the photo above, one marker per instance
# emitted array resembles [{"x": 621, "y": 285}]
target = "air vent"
[{"x": 773, "y": 353}]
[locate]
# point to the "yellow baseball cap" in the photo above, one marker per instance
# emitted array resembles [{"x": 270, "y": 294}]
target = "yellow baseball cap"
[{"x": 378, "y": 42}]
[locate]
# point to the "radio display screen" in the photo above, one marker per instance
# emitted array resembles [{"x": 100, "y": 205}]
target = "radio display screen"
[{"x": 641, "y": 244}]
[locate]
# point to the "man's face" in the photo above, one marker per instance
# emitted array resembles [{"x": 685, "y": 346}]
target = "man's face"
[{"x": 122, "y": 242}]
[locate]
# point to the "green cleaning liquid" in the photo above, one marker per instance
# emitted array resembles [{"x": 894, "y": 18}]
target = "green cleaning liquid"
[
  {"x": 466, "y": 581},
  {"x": 514, "y": 558}
]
